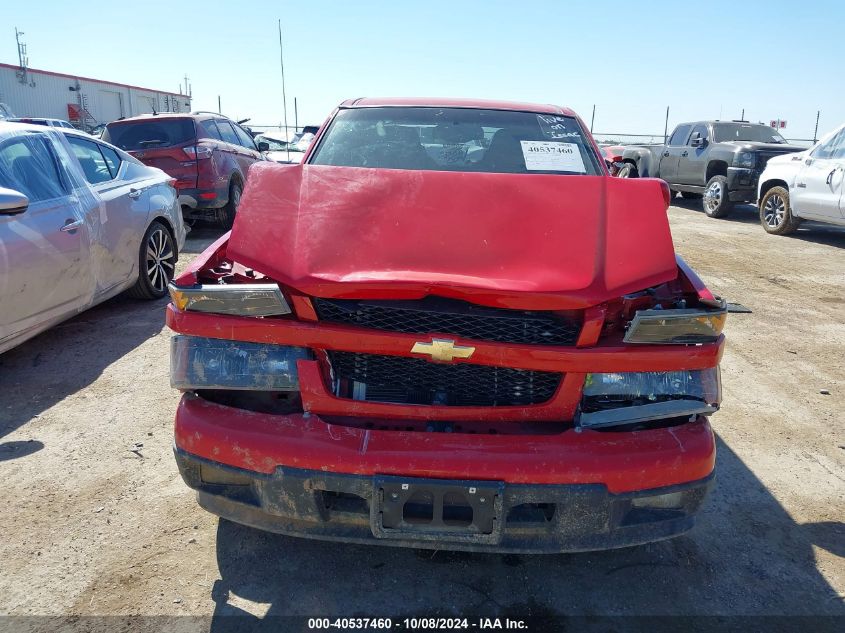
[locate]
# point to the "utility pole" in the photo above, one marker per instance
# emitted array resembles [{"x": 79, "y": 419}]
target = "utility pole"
[
  {"x": 295, "y": 116},
  {"x": 742, "y": 116},
  {"x": 219, "y": 109},
  {"x": 284, "y": 96},
  {"x": 593, "y": 118},
  {"x": 816, "y": 131},
  {"x": 666, "y": 127}
]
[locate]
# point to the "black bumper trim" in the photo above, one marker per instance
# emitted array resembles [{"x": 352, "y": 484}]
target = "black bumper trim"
[
  {"x": 534, "y": 518},
  {"x": 742, "y": 184}
]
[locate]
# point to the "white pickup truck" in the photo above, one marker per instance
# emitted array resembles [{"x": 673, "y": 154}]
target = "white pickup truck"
[{"x": 808, "y": 185}]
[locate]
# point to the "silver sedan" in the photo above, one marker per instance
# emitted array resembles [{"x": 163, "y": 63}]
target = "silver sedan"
[{"x": 80, "y": 221}]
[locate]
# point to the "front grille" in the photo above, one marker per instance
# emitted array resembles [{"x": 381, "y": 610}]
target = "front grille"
[
  {"x": 415, "y": 381},
  {"x": 449, "y": 316}
]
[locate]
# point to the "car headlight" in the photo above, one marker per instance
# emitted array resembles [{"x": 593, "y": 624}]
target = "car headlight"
[
  {"x": 745, "y": 159},
  {"x": 210, "y": 363},
  {"x": 240, "y": 299},
  {"x": 611, "y": 399},
  {"x": 673, "y": 327}
]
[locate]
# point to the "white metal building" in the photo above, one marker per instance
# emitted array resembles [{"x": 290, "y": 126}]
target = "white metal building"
[{"x": 83, "y": 101}]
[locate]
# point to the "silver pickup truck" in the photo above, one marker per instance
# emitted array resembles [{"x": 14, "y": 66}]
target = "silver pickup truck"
[{"x": 719, "y": 161}]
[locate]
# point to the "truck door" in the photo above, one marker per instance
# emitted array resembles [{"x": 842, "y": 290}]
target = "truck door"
[
  {"x": 668, "y": 170},
  {"x": 819, "y": 183},
  {"x": 692, "y": 164}
]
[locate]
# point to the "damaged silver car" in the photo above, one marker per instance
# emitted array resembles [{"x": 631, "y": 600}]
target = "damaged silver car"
[{"x": 80, "y": 222}]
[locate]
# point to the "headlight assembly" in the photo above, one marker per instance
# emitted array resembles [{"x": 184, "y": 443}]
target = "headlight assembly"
[
  {"x": 239, "y": 299},
  {"x": 210, "y": 363},
  {"x": 745, "y": 159},
  {"x": 612, "y": 399},
  {"x": 684, "y": 326}
]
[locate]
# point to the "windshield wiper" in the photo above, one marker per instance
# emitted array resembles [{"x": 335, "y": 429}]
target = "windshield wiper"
[{"x": 152, "y": 142}]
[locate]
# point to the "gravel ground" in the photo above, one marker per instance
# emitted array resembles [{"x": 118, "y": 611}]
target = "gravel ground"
[{"x": 99, "y": 522}]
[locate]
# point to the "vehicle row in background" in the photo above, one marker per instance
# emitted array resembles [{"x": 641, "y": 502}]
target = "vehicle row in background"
[
  {"x": 279, "y": 148},
  {"x": 207, "y": 153},
  {"x": 809, "y": 185},
  {"x": 61, "y": 123},
  {"x": 612, "y": 155},
  {"x": 719, "y": 161},
  {"x": 80, "y": 221}
]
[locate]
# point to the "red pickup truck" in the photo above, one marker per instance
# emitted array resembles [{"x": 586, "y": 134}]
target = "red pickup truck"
[{"x": 448, "y": 328}]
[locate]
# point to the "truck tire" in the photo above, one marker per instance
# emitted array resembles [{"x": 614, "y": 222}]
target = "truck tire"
[
  {"x": 690, "y": 195},
  {"x": 716, "y": 202},
  {"x": 628, "y": 171},
  {"x": 776, "y": 214},
  {"x": 226, "y": 215},
  {"x": 156, "y": 263}
]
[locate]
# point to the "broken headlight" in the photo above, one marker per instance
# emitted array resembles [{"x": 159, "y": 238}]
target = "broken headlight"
[
  {"x": 210, "y": 363},
  {"x": 240, "y": 299},
  {"x": 682, "y": 326},
  {"x": 611, "y": 399}
]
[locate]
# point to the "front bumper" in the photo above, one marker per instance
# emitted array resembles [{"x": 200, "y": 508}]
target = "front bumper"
[
  {"x": 742, "y": 184},
  {"x": 302, "y": 475},
  {"x": 542, "y": 518}
]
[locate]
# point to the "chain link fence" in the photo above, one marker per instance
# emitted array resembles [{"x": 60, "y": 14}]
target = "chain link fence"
[
  {"x": 603, "y": 138},
  {"x": 608, "y": 138}
]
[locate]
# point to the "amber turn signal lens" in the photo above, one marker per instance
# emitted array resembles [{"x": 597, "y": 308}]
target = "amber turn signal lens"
[
  {"x": 684, "y": 326},
  {"x": 239, "y": 299}
]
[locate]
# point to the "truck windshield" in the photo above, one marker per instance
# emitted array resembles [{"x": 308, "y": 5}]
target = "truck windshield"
[
  {"x": 723, "y": 132},
  {"x": 457, "y": 139}
]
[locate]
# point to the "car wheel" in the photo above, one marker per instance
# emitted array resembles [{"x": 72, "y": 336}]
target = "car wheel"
[
  {"x": 690, "y": 195},
  {"x": 156, "y": 263},
  {"x": 628, "y": 171},
  {"x": 776, "y": 214},
  {"x": 717, "y": 204},
  {"x": 226, "y": 215}
]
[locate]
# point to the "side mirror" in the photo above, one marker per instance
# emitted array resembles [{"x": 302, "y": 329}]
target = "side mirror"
[
  {"x": 698, "y": 142},
  {"x": 12, "y": 202},
  {"x": 263, "y": 146}
]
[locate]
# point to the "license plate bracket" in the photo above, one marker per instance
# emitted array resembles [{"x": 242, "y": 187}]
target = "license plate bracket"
[{"x": 432, "y": 509}]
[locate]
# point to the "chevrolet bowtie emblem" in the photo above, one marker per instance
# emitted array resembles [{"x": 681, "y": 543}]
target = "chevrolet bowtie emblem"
[{"x": 442, "y": 349}]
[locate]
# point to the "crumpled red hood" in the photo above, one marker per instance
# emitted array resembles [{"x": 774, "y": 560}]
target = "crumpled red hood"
[{"x": 534, "y": 242}]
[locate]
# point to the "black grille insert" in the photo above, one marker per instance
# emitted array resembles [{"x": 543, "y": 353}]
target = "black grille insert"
[
  {"x": 415, "y": 381},
  {"x": 450, "y": 316}
]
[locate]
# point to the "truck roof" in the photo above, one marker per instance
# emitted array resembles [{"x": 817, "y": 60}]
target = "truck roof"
[{"x": 440, "y": 102}]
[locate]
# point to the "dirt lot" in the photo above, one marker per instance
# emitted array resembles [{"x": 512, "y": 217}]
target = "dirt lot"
[{"x": 91, "y": 527}]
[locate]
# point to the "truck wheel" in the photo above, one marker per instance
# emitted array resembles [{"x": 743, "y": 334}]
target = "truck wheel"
[
  {"x": 776, "y": 214},
  {"x": 628, "y": 171},
  {"x": 156, "y": 263},
  {"x": 690, "y": 195},
  {"x": 226, "y": 215},
  {"x": 717, "y": 204}
]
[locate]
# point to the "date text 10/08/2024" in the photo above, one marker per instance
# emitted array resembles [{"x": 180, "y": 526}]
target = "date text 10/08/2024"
[{"x": 417, "y": 624}]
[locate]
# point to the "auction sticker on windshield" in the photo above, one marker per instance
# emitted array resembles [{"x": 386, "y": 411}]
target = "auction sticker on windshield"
[{"x": 552, "y": 156}]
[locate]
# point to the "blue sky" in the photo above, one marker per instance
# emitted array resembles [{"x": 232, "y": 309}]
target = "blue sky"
[{"x": 630, "y": 59}]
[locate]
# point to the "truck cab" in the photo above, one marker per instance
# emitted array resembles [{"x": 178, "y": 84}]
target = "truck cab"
[{"x": 718, "y": 161}]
